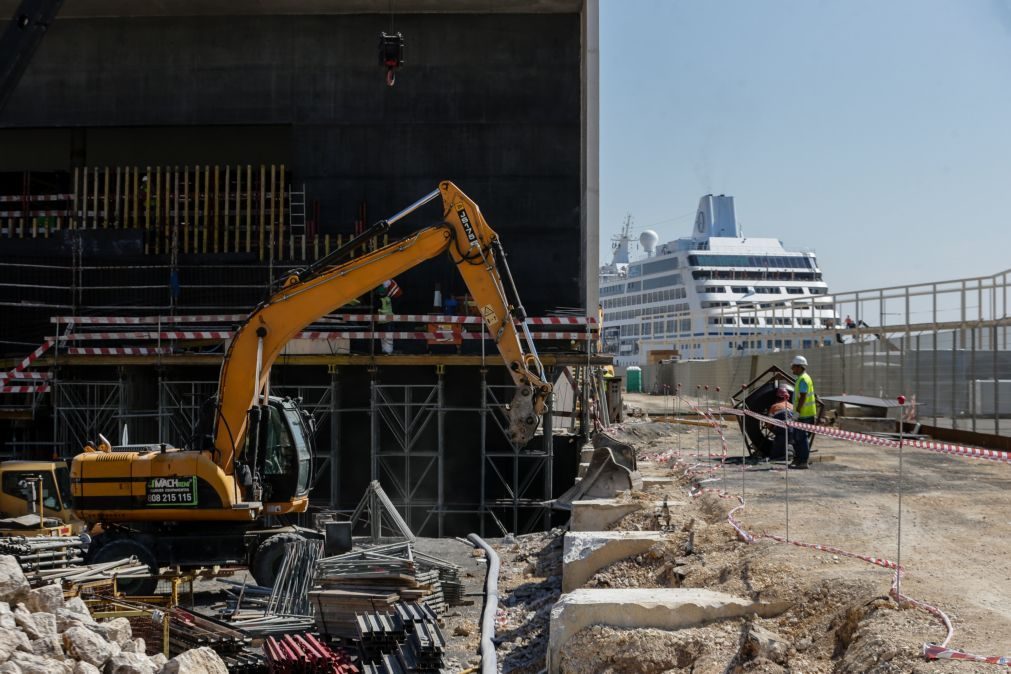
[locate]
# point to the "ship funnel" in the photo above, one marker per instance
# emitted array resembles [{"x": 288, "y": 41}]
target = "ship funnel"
[
  {"x": 648, "y": 241},
  {"x": 716, "y": 217}
]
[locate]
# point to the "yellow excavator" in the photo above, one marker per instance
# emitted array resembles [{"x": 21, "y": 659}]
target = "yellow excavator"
[{"x": 208, "y": 504}]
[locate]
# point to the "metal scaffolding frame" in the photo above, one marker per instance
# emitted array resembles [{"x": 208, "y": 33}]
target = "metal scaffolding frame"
[{"x": 407, "y": 451}]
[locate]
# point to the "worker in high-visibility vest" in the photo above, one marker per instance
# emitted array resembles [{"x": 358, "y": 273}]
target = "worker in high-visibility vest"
[{"x": 805, "y": 410}]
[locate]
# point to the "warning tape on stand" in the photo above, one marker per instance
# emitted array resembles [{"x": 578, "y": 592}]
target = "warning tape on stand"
[
  {"x": 929, "y": 651},
  {"x": 864, "y": 438}
]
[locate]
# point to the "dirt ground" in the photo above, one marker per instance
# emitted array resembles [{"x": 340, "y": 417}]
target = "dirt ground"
[{"x": 956, "y": 521}]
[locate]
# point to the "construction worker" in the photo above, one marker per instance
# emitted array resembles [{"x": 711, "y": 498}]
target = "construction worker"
[
  {"x": 804, "y": 409},
  {"x": 775, "y": 448}
]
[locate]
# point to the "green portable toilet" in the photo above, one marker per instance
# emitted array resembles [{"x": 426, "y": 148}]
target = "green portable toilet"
[{"x": 633, "y": 377}]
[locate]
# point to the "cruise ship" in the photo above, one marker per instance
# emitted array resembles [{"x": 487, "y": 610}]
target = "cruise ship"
[{"x": 710, "y": 295}]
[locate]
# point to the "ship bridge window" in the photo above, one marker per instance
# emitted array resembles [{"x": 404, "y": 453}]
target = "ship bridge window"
[
  {"x": 740, "y": 289},
  {"x": 818, "y": 291},
  {"x": 794, "y": 291},
  {"x": 658, "y": 266},
  {"x": 768, "y": 290},
  {"x": 761, "y": 261}
]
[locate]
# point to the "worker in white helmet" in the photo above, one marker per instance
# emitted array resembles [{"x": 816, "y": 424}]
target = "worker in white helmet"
[{"x": 804, "y": 408}]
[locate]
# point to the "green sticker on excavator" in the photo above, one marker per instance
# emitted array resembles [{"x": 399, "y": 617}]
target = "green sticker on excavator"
[{"x": 173, "y": 492}]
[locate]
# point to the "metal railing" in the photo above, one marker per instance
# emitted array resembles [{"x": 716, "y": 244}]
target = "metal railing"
[{"x": 946, "y": 344}]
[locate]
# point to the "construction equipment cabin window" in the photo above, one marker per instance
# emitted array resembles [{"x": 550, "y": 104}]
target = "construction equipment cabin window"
[{"x": 14, "y": 485}]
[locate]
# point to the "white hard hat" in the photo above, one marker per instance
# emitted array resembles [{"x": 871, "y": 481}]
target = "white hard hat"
[{"x": 799, "y": 360}]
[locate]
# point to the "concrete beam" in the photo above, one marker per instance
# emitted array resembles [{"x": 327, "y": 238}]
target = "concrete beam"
[
  {"x": 585, "y": 553},
  {"x": 660, "y": 608},
  {"x": 600, "y": 514}
]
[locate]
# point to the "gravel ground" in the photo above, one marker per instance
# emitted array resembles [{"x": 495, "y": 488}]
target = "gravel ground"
[{"x": 955, "y": 518}]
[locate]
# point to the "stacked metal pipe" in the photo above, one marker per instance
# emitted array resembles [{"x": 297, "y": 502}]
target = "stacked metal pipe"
[
  {"x": 290, "y": 595},
  {"x": 305, "y": 654},
  {"x": 188, "y": 630},
  {"x": 37, "y": 553}
]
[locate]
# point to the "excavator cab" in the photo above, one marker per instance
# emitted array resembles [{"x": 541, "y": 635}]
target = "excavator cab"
[{"x": 280, "y": 450}]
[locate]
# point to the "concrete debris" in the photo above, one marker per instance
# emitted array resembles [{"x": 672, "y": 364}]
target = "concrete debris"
[
  {"x": 83, "y": 644},
  {"x": 197, "y": 661},
  {"x": 13, "y": 585},
  {"x": 130, "y": 663},
  {"x": 83, "y": 667},
  {"x": 763, "y": 643},
  {"x": 25, "y": 620},
  {"x": 118, "y": 631},
  {"x": 135, "y": 646},
  {"x": 47, "y": 598},
  {"x": 13, "y": 640},
  {"x": 50, "y": 646}
]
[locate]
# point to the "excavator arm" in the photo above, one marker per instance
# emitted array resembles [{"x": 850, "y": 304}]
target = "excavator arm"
[{"x": 309, "y": 294}]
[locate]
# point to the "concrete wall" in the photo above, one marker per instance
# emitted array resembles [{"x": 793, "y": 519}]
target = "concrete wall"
[{"x": 496, "y": 102}]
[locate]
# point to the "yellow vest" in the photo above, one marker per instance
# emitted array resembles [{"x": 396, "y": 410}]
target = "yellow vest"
[{"x": 810, "y": 409}]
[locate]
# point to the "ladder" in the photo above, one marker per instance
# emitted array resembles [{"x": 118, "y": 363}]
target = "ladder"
[{"x": 296, "y": 221}]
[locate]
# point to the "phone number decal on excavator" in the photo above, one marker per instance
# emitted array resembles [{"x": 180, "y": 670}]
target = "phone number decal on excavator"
[{"x": 172, "y": 491}]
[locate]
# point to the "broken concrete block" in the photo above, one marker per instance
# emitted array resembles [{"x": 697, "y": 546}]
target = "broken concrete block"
[
  {"x": 158, "y": 660},
  {"x": 662, "y": 608},
  {"x": 45, "y": 623},
  {"x": 24, "y": 620},
  {"x": 130, "y": 663},
  {"x": 37, "y": 664},
  {"x": 13, "y": 640},
  {"x": 135, "y": 646},
  {"x": 82, "y": 667},
  {"x": 77, "y": 605},
  {"x": 81, "y": 643},
  {"x": 118, "y": 630},
  {"x": 763, "y": 643},
  {"x": 197, "y": 661},
  {"x": 13, "y": 584},
  {"x": 585, "y": 553},
  {"x": 50, "y": 646},
  {"x": 47, "y": 598},
  {"x": 65, "y": 619},
  {"x": 9, "y": 668},
  {"x": 599, "y": 514}
]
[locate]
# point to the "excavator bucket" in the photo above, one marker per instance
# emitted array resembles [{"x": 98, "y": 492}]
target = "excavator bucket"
[{"x": 612, "y": 469}]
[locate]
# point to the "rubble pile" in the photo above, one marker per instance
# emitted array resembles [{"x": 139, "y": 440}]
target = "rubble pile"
[
  {"x": 40, "y": 633},
  {"x": 532, "y": 576}
]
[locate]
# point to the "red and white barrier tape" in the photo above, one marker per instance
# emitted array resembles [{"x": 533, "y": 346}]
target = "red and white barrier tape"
[
  {"x": 234, "y": 318},
  {"x": 44, "y": 388},
  {"x": 15, "y": 374},
  {"x": 930, "y": 651},
  {"x": 114, "y": 351},
  {"x": 863, "y": 438},
  {"x": 446, "y": 335}
]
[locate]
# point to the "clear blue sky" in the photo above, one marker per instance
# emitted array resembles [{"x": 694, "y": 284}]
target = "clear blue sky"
[{"x": 876, "y": 133}]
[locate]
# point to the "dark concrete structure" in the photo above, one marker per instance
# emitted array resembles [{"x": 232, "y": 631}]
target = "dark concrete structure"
[
  {"x": 500, "y": 98},
  {"x": 497, "y": 102}
]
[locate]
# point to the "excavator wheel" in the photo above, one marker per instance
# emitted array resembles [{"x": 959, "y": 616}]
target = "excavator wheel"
[
  {"x": 268, "y": 556},
  {"x": 124, "y": 548}
]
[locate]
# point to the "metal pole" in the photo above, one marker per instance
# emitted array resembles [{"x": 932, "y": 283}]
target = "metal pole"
[
  {"x": 677, "y": 398},
  {"x": 441, "y": 442},
  {"x": 786, "y": 455},
  {"x": 744, "y": 438},
  {"x": 335, "y": 432},
  {"x": 709, "y": 428},
  {"x": 898, "y": 544}
]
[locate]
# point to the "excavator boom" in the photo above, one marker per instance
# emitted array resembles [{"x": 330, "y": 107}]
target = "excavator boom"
[{"x": 311, "y": 294}]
